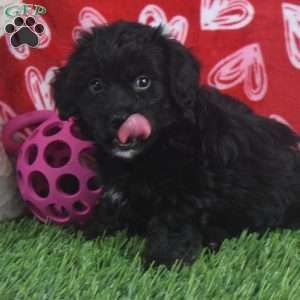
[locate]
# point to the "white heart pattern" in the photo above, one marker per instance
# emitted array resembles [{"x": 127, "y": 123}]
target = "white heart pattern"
[
  {"x": 22, "y": 52},
  {"x": 38, "y": 88},
  {"x": 154, "y": 16},
  {"x": 243, "y": 66},
  {"x": 6, "y": 114},
  {"x": 225, "y": 14},
  {"x": 280, "y": 119},
  {"x": 88, "y": 17},
  {"x": 291, "y": 19}
]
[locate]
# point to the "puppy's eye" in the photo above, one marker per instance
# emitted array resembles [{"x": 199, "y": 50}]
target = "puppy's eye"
[
  {"x": 96, "y": 86},
  {"x": 142, "y": 83}
]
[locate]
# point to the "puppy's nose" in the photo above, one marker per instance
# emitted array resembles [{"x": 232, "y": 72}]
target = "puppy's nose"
[{"x": 118, "y": 120}]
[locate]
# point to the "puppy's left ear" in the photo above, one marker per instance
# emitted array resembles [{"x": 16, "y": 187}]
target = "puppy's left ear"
[
  {"x": 63, "y": 96},
  {"x": 184, "y": 72}
]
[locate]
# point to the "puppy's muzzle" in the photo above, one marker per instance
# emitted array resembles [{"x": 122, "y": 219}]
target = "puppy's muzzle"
[{"x": 117, "y": 120}]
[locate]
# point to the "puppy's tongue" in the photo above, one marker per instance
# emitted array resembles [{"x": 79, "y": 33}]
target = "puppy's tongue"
[{"x": 135, "y": 126}]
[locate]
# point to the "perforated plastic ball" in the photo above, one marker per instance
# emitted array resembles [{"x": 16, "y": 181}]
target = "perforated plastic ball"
[{"x": 56, "y": 173}]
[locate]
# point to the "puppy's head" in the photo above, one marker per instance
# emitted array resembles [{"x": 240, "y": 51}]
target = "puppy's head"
[{"x": 125, "y": 83}]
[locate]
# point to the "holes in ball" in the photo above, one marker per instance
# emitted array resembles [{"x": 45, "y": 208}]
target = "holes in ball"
[
  {"x": 55, "y": 212},
  {"x": 80, "y": 206},
  {"x": 57, "y": 154},
  {"x": 52, "y": 129},
  {"x": 93, "y": 183},
  {"x": 76, "y": 132},
  {"x": 87, "y": 159},
  {"x": 39, "y": 184},
  {"x": 68, "y": 184},
  {"x": 31, "y": 154}
]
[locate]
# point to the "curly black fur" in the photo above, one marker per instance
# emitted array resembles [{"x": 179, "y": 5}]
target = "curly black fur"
[{"x": 211, "y": 167}]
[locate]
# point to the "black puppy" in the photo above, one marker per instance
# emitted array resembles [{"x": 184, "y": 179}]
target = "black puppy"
[{"x": 183, "y": 165}]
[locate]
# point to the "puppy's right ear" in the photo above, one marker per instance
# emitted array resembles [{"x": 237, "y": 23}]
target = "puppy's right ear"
[
  {"x": 70, "y": 79},
  {"x": 63, "y": 95},
  {"x": 183, "y": 77}
]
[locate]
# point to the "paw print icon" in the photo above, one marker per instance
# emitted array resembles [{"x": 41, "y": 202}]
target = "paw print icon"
[{"x": 24, "y": 32}]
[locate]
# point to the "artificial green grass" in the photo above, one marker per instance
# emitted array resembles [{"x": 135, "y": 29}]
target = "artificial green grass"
[{"x": 47, "y": 262}]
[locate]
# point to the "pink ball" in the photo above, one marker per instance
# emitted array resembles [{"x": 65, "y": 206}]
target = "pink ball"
[{"x": 56, "y": 172}]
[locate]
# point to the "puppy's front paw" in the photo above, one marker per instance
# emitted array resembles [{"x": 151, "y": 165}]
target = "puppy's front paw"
[
  {"x": 112, "y": 201},
  {"x": 106, "y": 218},
  {"x": 214, "y": 237},
  {"x": 167, "y": 243}
]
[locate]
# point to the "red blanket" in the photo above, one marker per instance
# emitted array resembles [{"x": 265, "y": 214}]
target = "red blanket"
[{"x": 248, "y": 48}]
